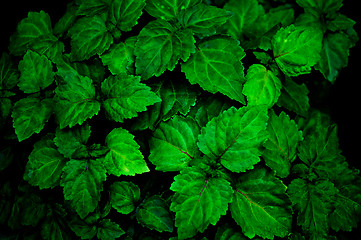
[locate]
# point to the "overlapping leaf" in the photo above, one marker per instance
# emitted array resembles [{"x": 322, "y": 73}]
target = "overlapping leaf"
[
  {"x": 168, "y": 9},
  {"x": 124, "y": 196}
]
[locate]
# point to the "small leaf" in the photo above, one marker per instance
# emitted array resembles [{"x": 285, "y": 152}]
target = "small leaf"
[
  {"x": 109, "y": 230},
  {"x": 9, "y": 76},
  {"x": 168, "y": 9},
  {"x": 154, "y": 214},
  {"x": 123, "y": 196},
  {"x": 36, "y": 72},
  {"x": 124, "y": 157}
]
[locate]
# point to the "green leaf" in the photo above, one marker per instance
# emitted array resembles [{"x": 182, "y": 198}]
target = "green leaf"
[
  {"x": 123, "y": 196},
  {"x": 294, "y": 97},
  {"x": 234, "y": 137},
  {"x": 67, "y": 20},
  {"x": 263, "y": 87},
  {"x": 159, "y": 47},
  {"x": 83, "y": 182},
  {"x": 89, "y": 37},
  {"x": 198, "y": 201},
  {"x": 75, "y": 99},
  {"x": 120, "y": 57},
  {"x": 334, "y": 55},
  {"x": 173, "y": 144},
  {"x": 54, "y": 226},
  {"x": 261, "y": 206},
  {"x": 124, "y": 157},
  {"x": 45, "y": 165},
  {"x": 36, "y": 25},
  {"x": 71, "y": 142},
  {"x": 203, "y": 19},
  {"x": 297, "y": 49},
  {"x": 216, "y": 67},
  {"x": 320, "y": 6},
  {"x": 36, "y": 72},
  {"x": 109, "y": 230},
  {"x": 245, "y": 14},
  {"x": 125, "y": 96},
  {"x": 9, "y": 76},
  {"x": 340, "y": 22},
  {"x": 33, "y": 209},
  {"x": 226, "y": 232},
  {"x": 281, "y": 146},
  {"x": 30, "y": 115},
  {"x": 312, "y": 201},
  {"x": 93, "y": 7},
  {"x": 123, "y": 14},
  {"x": 50, "y": 46},
  {"x": 168, "y": 9},
  {"x": 84, "y": 229},
  {"x": 154, "y": 214}
]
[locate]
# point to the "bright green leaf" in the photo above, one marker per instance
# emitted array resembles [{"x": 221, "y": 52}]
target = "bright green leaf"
[
  {"x": 297, "y": 49},
  {"x": 216, "y": 67},
  {"x": 260, "y": 205},
  {"x": 124, "y": 157},
  {"x": 234, "y": 137},
  {"x": 198, "y": 201},
  {"x": 125, "y": 96}
]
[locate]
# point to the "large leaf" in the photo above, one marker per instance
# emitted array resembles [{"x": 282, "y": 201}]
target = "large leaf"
[
  {"x": 281, "y": 146},
  {"x": 45, "y": 165},
  {"x": 297, "y": 49},
  {"x": 261, "y": 206},
  {"x": 125, "y": 96},
  {"x": 234, "y": 137},
  {"x": 334, "y": 55},
  {"x": 124, "y": 157},
  {"x": 124, "y": 196},
  {"x": 168, "y": 9},
  {"x": 263, "y": 87},
  {"x": 154, "y": 214},
  {"x": 89, "y": 37},
  {"x": 30, "y": 115},
  {"x": 36, "y": 72},
  {"x": 173, "y": 144},
  {"x": 216, "y": 67},
  {"x": 83, "y": 183},
  {"x": 29, "y": 30},
  {"x": 203, "y": 19},
  {"x": 124, "y": 14},
  {"x": 198, "y": 201},
  {"x": 159, "y": 47},
  {"x": 75, "y": 99}
]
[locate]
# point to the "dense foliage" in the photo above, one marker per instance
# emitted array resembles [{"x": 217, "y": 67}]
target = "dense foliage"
[{"x": 175, "y": 119}]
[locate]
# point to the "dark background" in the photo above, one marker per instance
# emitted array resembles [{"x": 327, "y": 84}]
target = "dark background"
[{"x": 343, "y": 100}]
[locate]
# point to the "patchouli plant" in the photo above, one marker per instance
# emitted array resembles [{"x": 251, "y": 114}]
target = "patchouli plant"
[{"x": 175, "y": 119}]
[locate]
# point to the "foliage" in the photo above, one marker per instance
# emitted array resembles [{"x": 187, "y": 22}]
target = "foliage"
[{"x": 165, "y": 119}]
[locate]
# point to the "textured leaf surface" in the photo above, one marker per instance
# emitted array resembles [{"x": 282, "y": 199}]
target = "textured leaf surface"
[
  {"x": 9, "y": 75},
  {"x": 198, "y": 201},
  {"x": 124, "y": 196},
  {"x": 281, "y": 146},
  {"x": 297, "y": 49},
  {"x": 216, "y": 67},
  {"x": 75, "y": 100},
  {"x": 234, "y": 137},
  {"x": 29, "y": 29},
  {"x": 45, "y": 165},
  {"x": 89, "y": 36},
  {"x": 83, "y": 183},
  {"x": 125, "y": 96},
  {"x": 173, "y": 144},
  {"x": 334, "y": 55},
  {"x": 203, "y": 19},
  {"x": 320, "y": 6},
  {"x": 154, "y": 214},
  {"x": 260, "y": 205},
  {"x": 124, "y": 157},
  {"x": 124, "y": 14},
  {"x": 36, "y": 72},
  {"x": 109, "y": 230},
  {"x": 159, "y": 48},
  {"x": 168, "y": 9},
  {"x": 30, "y": 115},
  {"x": 263, "y": 87}
]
